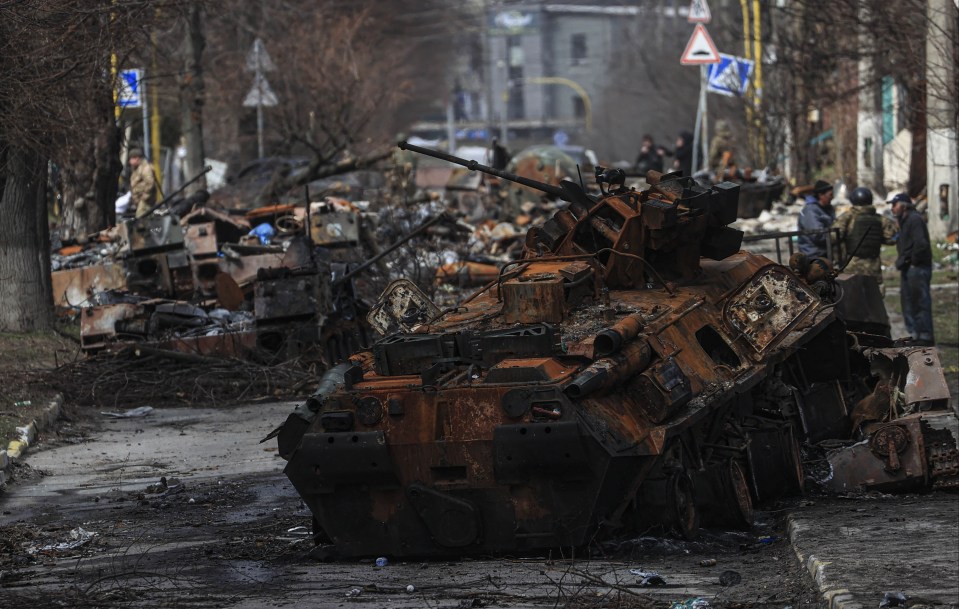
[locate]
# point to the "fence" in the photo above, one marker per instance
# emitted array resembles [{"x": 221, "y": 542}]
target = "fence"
[{"x": 834, "y": 245}]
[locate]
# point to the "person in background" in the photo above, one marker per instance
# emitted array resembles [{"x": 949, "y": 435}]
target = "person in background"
[
  {"x": 683, "y": 158},
  {"x": 864, "y": 232},
  {"x": 650, "y": 156},
  {"x": 500, "y": 155},
  {"x": 721, "y": 159},
  {"x": 816, "y": 215},
  {"x": 143, "y": 190},
  {"x": 914, "y": 262}
]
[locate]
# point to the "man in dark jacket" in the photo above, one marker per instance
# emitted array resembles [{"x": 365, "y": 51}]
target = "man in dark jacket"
[
  {"x": 816, "y": 215},
  {"x": 915, "y": 264},
  {"x": 683, "y": 160},
  {"x": 650, "y": 156}
]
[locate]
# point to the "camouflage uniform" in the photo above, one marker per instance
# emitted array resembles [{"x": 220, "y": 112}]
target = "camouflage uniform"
[
  {"x": 864, "y": 265},
  {"x": 143, "y": 187},
  {"x": 401, "y": 177}
]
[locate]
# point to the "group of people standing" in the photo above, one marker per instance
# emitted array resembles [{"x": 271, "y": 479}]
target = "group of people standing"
[
  {"x": 864, "y": 232},
  {"x": 720, "y": 159},
  {"x": 653, "y": 157}
]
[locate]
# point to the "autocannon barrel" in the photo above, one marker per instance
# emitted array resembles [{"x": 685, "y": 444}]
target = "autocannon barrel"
[
  {"x": 606, "y": 372},
  {"x": 556, "y": 191},
  {"x": 612, "y": 338}
]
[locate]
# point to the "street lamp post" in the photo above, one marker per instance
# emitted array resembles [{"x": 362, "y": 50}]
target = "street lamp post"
[{"x": 504, "y": 114}]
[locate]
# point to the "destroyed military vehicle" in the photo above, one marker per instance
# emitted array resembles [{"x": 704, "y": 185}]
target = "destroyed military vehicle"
[{"x": 635, "y": 369}]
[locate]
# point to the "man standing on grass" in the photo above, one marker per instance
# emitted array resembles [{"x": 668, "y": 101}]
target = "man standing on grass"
[{"x": 915, "y": 264}]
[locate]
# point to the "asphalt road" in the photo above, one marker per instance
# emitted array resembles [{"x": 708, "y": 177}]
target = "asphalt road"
[{"x": 229, "y": 531}]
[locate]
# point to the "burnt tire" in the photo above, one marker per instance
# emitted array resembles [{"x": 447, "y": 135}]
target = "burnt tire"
[
  {"x": 796, "y": 475},
  {"x": 682, "y": 514},
  {"x": 737, "y": 495}
]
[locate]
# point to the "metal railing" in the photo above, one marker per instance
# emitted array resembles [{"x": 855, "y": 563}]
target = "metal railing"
[{"x": 833, "y": 242}]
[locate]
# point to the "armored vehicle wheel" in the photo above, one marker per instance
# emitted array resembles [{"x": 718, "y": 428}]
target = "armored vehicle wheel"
[
  {"x": 797, "y": 477},
  {"x": 739, "y": 500},
  {"x": 681, "y": 506}
]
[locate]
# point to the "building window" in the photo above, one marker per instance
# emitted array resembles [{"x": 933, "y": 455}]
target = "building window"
[
  {"x": 578, "y": 51},
  {"x": 514, "y": 52},
  {"x": 579, "y": 107}
]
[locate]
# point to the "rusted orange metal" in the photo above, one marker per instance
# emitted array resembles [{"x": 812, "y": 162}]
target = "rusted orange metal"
[
  {"x": 633, "y": 358},
  {"x": 465, "y": 273},
  {"x": 75, "y": 287}
]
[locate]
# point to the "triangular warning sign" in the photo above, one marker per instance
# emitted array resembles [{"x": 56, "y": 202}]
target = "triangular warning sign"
[
  {"x": 700, "y": 49},
  {"x": 699, "y": 12},
  {"x": 261, "y": 94}
]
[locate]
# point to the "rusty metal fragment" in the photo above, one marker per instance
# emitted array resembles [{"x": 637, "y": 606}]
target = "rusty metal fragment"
[
  {"x": 76, "y": 287},
  {"x": 402, "y": 305}
]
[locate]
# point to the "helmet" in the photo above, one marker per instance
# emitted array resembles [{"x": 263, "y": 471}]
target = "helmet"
[{"x": 861, "y": 196}]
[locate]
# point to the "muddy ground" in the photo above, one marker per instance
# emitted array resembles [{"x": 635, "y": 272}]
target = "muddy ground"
[{"x": 227, "y": 530}]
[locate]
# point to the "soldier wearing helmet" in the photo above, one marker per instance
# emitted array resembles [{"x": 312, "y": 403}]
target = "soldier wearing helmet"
[{"x": 864, "y": 232}]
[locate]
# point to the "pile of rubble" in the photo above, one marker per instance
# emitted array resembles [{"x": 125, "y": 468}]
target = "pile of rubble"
[{"x": 272, "y": 283}]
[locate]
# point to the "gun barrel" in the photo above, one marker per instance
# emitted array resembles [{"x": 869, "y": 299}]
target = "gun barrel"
[{"x": 556, "y": 191}]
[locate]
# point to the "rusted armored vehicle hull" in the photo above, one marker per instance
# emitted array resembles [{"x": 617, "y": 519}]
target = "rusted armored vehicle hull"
[{"x": 634, "y": 370}]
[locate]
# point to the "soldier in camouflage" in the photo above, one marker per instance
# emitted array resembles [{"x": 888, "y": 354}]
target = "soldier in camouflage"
[
  {"x": 861, "y": 227},
  {"x": 142, "y": 183},
  {"x": 401, "y": 177}
]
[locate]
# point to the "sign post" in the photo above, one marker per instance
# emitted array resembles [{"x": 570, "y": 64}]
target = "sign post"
[
  {"x": 701, "y": 51},
  {"x": 132, "y": 93},
  {"x": 261, "y": 94}
]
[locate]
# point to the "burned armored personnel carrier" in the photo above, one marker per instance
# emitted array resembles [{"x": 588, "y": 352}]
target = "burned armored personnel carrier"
[{"x": 635, "y": 369}]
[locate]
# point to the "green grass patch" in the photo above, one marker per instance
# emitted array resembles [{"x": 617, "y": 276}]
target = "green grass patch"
[
  {"x": 892, "y": 278},
  {"x": 945, "y": 323},
  {"x": 23, "y": 357}
]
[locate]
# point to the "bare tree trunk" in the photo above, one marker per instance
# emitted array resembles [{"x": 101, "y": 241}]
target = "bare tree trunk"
[
  {"x": 107, "y": 174},
  {"x": 90, "y": 179},
  {"x": 79, "y": 210},
  {"x": 25, "y": 291},
  {"x": 191, "y": 97}
]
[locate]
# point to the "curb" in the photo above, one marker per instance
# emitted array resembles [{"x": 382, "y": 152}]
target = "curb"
[
  {"x": 834, "y": 596},
  {"x": 28, "y": 435}
]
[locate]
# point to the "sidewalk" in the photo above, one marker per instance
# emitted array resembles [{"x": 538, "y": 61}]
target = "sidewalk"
[
  {"x": 857, "y": 549},
  {"x": 27, "y": 436}
]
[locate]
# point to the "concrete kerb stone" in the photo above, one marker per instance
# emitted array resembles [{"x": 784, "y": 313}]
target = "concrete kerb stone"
[
  {"x": 834, "y": 596},
  {"x": 28, "y": 435}
]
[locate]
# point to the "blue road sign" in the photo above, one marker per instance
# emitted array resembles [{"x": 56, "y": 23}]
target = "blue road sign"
[
  {"x": 130, "y": 93},
  {"x": 730, "y": 76}
]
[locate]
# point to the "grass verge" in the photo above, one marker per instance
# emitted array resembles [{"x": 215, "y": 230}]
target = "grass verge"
[{"x": 22, "y": 395}]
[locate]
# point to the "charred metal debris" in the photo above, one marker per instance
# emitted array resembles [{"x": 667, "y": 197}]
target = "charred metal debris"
[
  {"x": 633, "y": 369},
  {"x": 272, "y": 283}
]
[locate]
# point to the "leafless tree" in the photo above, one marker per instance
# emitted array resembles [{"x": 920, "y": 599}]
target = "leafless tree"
[
  {"x": 819, "y": 44},
  {"x": 344, "y": 72},
  {"x": 55, "y": 94}
]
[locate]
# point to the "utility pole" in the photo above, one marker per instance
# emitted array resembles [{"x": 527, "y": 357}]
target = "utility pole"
[
  {"x": 942, "y": 146},
  {"x": 191, "y": 97},
  {"x": 869, "y": 142}
]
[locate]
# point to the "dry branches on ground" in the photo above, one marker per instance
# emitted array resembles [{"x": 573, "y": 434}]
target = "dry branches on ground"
[{"x": 158, "y": 378}]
